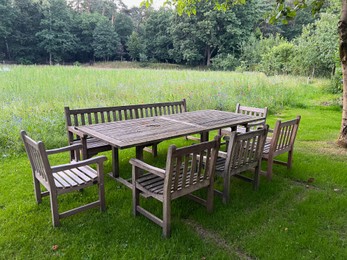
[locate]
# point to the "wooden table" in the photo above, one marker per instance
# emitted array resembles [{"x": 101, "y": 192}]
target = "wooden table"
[{"x": 145, "y": 131}]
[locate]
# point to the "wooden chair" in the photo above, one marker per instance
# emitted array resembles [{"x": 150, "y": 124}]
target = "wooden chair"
[
  {"x": 184, "y": 174},
  {"x": 244, "y": 153},
  {"x": 64, "y": 178},
  {"x": 252, "y": 111},
  {"x": 281, "y": 141}
]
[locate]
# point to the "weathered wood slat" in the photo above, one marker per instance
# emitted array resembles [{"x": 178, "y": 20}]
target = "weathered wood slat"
[
  {"x": 281, "y": 141},
  {"x": 62, "y": 178},
  {"x": 183, "y": 175},
  {"x": 77, "y": 117},
  {"x": 244, "y": 153}
]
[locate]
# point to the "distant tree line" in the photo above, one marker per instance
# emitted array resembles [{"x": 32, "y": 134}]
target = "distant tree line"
[{"x": 61, "y": 31}]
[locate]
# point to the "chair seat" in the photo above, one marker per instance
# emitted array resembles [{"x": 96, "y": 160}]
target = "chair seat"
[
  {"x": 267, "y": 145},
  {"x": 155, "y": 184},
  {"x": 75, "y": 177},
  {"x": 220, "y": 164},
  {"x": 239, "y": 129}
]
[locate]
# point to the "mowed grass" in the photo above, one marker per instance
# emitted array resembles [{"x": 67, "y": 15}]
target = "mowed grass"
[{"x": 288, "y": 218}]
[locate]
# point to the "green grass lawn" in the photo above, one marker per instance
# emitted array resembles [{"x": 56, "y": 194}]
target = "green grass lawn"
[{"x": 288, "y": 218}]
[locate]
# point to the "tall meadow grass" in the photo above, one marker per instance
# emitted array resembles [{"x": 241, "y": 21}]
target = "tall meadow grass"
[{"x": 33, "y": 97}]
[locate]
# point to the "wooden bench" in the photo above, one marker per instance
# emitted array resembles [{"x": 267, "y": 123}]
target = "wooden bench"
[{"x": 87, "y": 116}]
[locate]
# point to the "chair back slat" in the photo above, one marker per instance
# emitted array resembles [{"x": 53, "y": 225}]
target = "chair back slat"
[
  {"x": 39, "y": 161},
  {"x": 284, "y": 135},
  {"x": 245, "y": 150},
  {"x": 253, "y": 111},
  {"x": 186, "y": 170}
]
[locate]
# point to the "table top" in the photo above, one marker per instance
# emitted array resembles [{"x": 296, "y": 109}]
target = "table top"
[{"x": 138, "y": 132}]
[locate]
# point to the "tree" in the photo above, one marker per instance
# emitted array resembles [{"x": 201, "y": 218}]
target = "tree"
[
  {"x": 286, "y": 10},
  {"x": 124, "y": 27},
  {"x": 23, "y": 40},
  {"x": 85, "y": 25},
  {"x": 156, "y": 35},
  {"x": 105, "y": 40},
  {"x": 6, "y": 27},
  {"x": 135, "y": 47},
  {"x": 198, "y": 38},
  {"x": 55, "y": 35}
]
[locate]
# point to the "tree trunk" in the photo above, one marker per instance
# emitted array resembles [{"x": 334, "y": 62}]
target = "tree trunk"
[
  {"x": 7, "y": 49},
  {"x": 342, "y": 27},
  {"x": 208, "y": 54}
]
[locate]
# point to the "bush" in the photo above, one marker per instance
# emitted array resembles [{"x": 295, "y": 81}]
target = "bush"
[
  {"x": 278, "y": 59},
  {"x": 224, "y": 62},
  {"x": 336, "y": 84}
]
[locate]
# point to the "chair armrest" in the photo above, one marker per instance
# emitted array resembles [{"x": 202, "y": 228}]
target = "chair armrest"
[
  {"x": 73, "y": 129},
  {"x": 64, "y": 149},
  {"x": 144, "y": 166},
  {"x": 95, "y": 160}
]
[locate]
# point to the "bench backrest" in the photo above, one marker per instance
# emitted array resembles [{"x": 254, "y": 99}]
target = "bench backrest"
[{"x": 88, "y": 116}]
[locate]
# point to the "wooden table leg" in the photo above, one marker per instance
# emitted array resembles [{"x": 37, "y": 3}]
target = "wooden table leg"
[
  {"x": 139, "y": 155},
  {"x": 115, "y": 162},
  {"x": 204, "y": 136}
]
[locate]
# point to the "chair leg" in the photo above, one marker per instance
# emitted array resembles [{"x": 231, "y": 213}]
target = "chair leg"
[
  {"x": 54, "y": 209},
  {"x": 155, "y": 150},
  {"x": 136, "y": 198},
  {"x": 102, "y": 196},
  {"x": 37, "y": 190},
  {"x": 210, "y": 197},
  {"x": 226, "y": 188},
  {"x": 256, "y": 177},
  {"x": 290, "y": 159},
  {"x": 166, "y": 218},
  {"x": 270, "y": 162}
]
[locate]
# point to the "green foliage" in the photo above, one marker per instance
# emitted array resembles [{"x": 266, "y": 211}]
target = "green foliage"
[
  {"x": 277, "y": 60},
  {"x": 105, "y": 40},
  {"x": 255, "y": 49},
  {"x": 55, "y": 35},
  {"x": 224, "y": 62},
  {"x": 124, "y": 27},
  {"x": 316, "y": 49},
  {"x": 336, "y": 82},
  {"x": 156, "y": 35},
  {"x": 135, "y": 47}
]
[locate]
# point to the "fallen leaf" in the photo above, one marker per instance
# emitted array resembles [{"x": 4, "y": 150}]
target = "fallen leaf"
[{"x": 310, "y": 180}]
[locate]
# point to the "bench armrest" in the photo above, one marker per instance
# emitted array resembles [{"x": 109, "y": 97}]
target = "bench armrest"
[
  {"x": 149, "y": 168},
  {"x": 95, "y": 160}
]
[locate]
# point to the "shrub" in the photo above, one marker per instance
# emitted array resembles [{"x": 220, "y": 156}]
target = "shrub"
[
  {"x": 278, "y": 59},
  {"x": 224, "y": 62}
]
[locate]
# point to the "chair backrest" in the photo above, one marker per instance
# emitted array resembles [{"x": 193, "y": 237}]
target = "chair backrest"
[
  {"x": 38, "y": 158},
  {"x": 190, "y": 168},
  {"x": 284, "y": 135},
  {"x": 252, "y": 111},
  {"x": 245, "y": 150}
]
